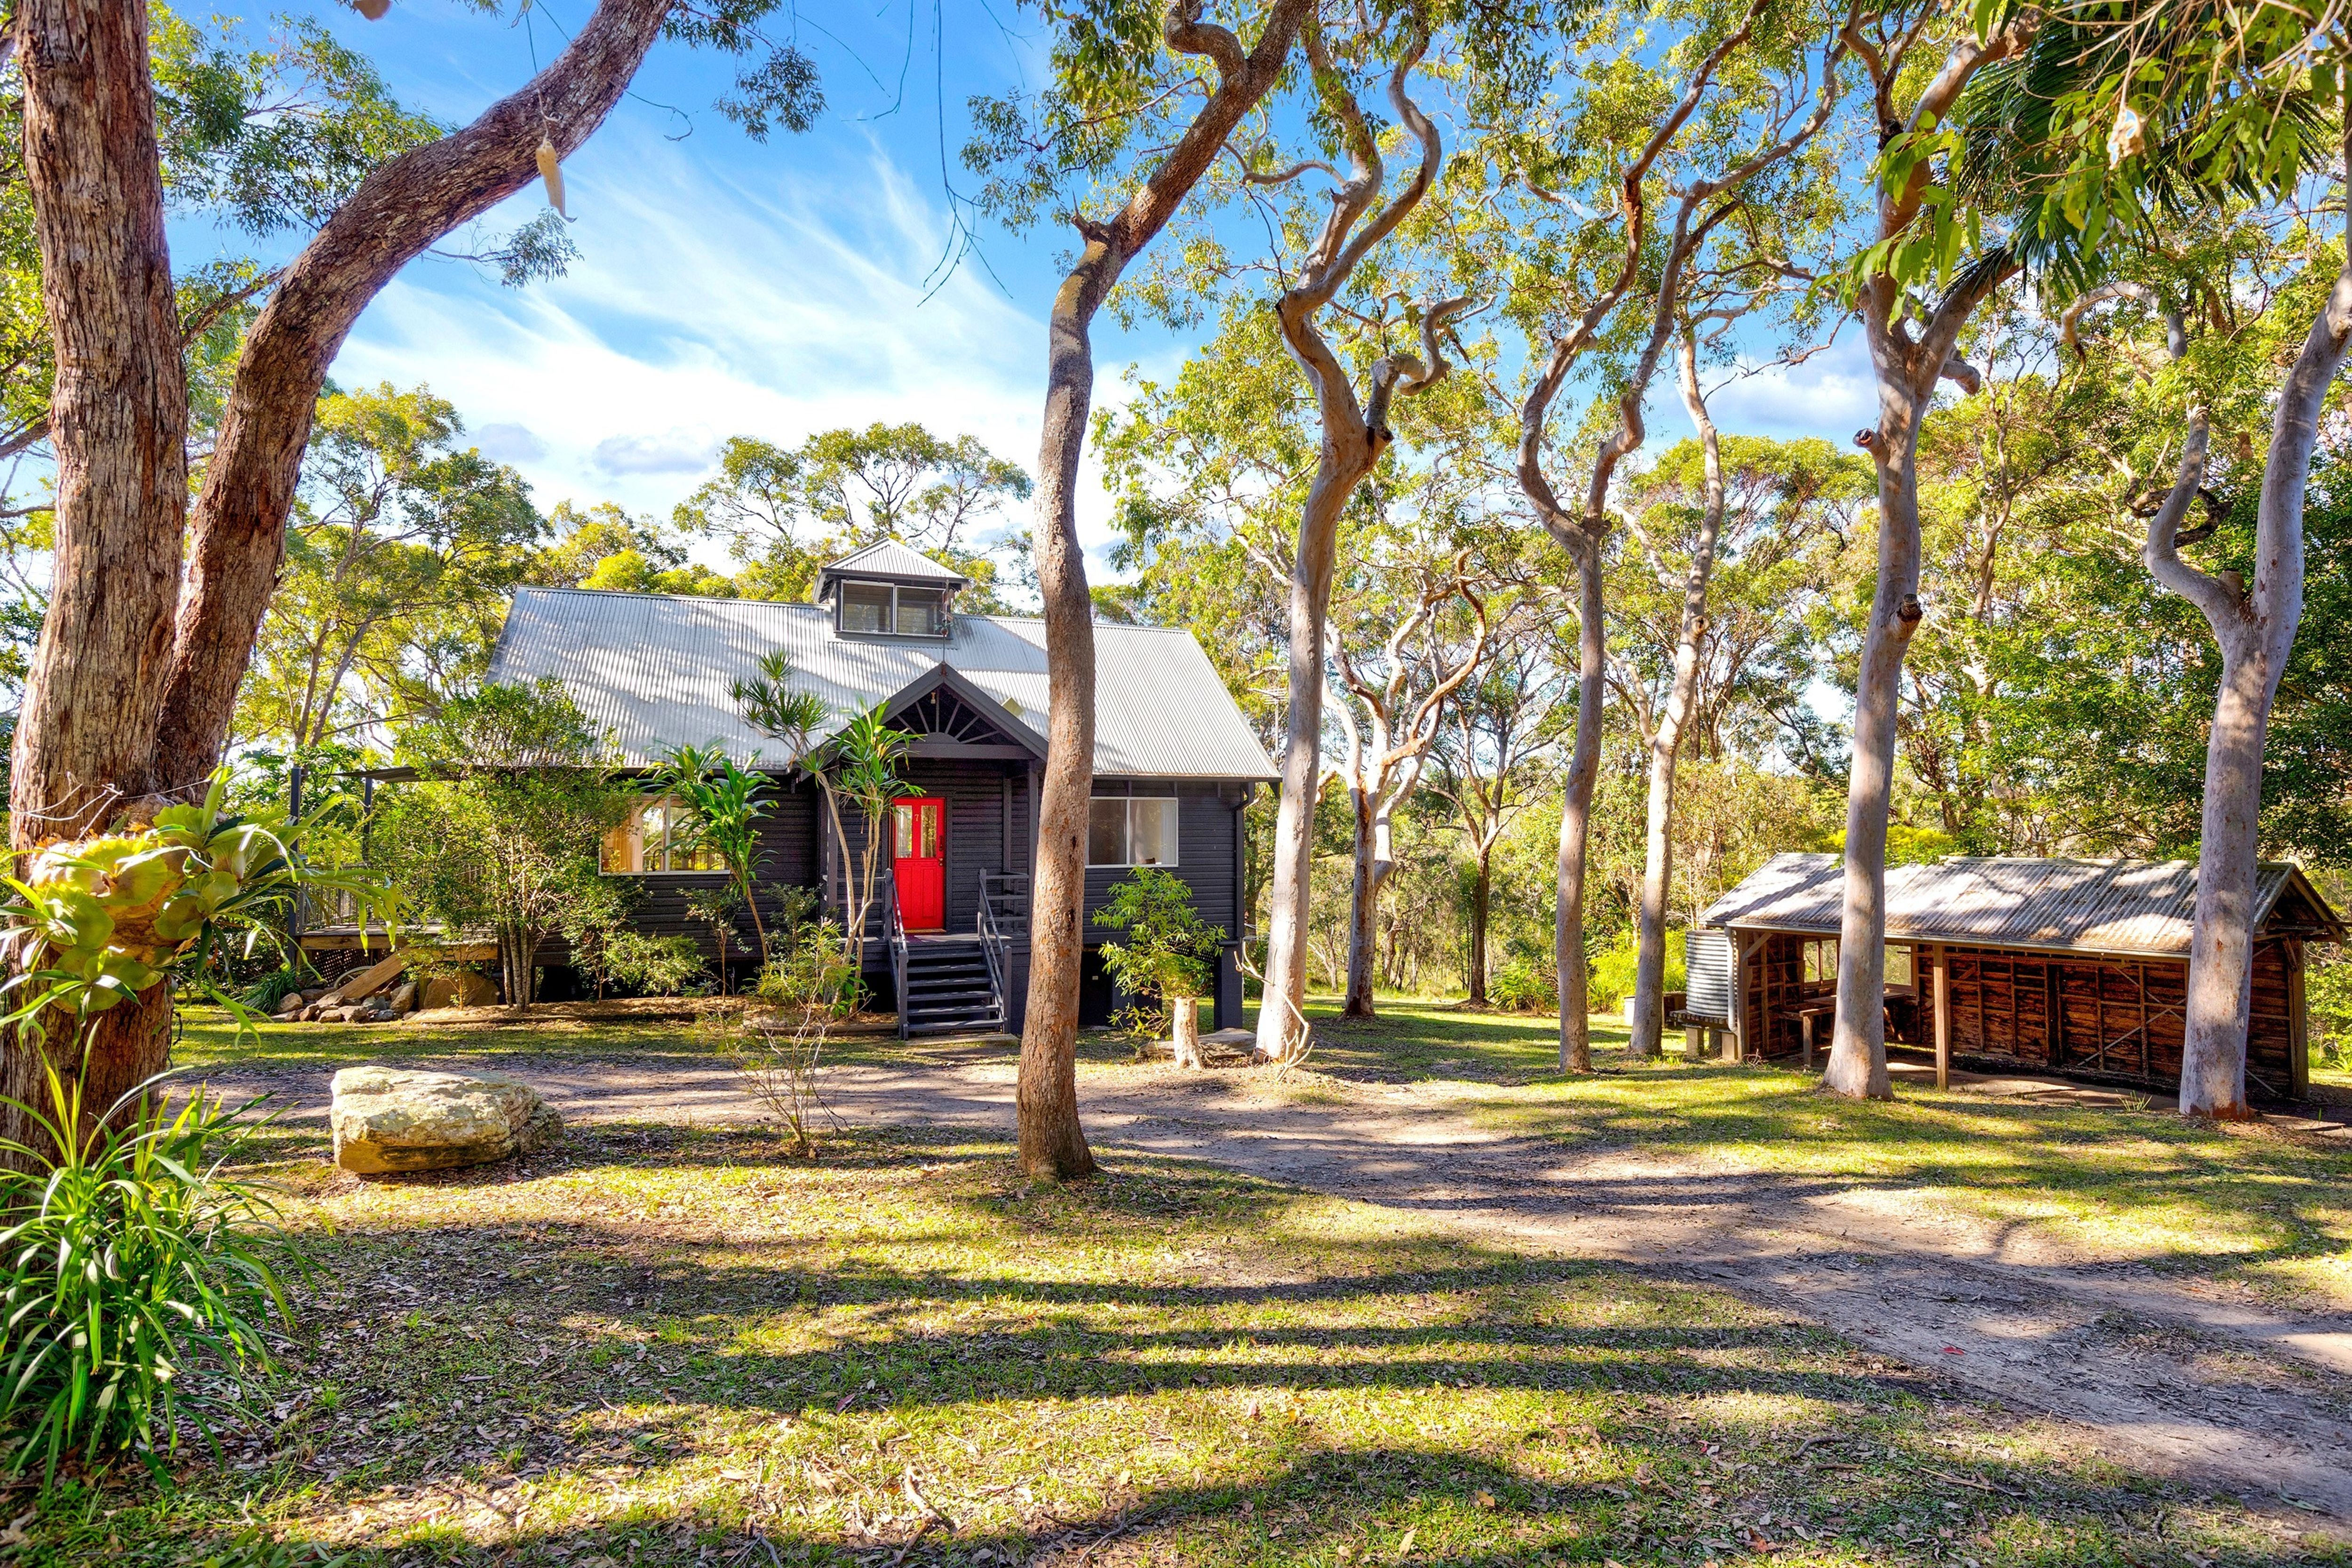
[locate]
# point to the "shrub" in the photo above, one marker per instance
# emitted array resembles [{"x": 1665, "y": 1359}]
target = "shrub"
[
  {"x": 808, "y": 984},
  {"x": 2327, "y": 992},
  {"x": 1609, "y": 979},
  {"x": 1169, "y": 950},
  {"x": 132, "y": 1290},
  {"x": 1523, "y": 986}
]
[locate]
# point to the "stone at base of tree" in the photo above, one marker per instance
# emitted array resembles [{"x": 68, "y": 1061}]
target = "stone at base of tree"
[
  {"x": 463, "y": 989},
  {"x": 389, "y": 1121}
]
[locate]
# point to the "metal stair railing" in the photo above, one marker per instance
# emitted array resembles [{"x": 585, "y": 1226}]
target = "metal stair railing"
[
  {"x": 999, "y": 953},
  {"x": 897, "y": 949}
]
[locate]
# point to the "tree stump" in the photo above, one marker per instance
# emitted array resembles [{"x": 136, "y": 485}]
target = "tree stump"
[{"x": 1185, "y": 1032}]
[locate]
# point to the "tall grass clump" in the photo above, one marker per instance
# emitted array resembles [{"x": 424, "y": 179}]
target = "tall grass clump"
[{"x": 134, "y": 1287}]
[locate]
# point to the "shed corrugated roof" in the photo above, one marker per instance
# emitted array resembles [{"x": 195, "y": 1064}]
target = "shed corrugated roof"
[
  {"x": 2123, "y": 907},
  {"x": 657, "y": 671}
]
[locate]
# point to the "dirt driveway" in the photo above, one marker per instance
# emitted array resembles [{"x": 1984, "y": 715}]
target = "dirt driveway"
[{"x": 2180, "y": 1377}]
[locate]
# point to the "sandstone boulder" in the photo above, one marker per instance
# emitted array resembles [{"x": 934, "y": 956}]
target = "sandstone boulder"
[
  {"x": 389, "y": 1119},
  {"x": 404, "y": 1000}
]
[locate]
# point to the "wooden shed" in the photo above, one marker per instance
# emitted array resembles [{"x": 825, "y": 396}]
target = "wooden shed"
[{"x": 2076, "y": 967}]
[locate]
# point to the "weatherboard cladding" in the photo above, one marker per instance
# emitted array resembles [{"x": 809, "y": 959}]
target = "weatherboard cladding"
[
  {"x": 657, "y": 671},
  {"x": 2120, "y": 907}
]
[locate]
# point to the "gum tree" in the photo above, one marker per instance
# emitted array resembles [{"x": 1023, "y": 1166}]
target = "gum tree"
[
  {"x": 1112, "y": 94},
  {"x": 156, "y": 602}
]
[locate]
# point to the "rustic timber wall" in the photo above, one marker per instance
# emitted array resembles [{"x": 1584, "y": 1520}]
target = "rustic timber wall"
[{"x": 2084, "y": 1014}]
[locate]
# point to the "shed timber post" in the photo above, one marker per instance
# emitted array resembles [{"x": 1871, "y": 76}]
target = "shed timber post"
[{"x": 1943, "y": 1005}]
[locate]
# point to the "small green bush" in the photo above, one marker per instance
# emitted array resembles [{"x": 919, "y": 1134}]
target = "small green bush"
[
  {"x": 1608, "y": 978},
  {"x": 1523, "y": 986},
  {"x": 132, "y": 1290}
]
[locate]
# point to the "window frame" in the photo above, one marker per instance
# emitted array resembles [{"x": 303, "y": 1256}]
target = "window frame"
[
  {"x": 940, "y": 599},
  {"x": 646, "y": 851},
  {"x": 1175, "y": 837}
]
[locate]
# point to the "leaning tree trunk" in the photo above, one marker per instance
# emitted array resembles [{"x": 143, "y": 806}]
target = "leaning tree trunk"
[
  {"x": 1576, "y": 813},
  {"x": 133, "y": 684},
  {"x": 1907, "y": 369},
  {"x": 398, "y": 213},
  {"x": 118, "y": 423},
  {"x": 1052, "y": 1145},
  {"x": 1857, "y": 1064},
  {"x": 1665, "y": 746},
  {"x": 1349, "y": 454},
  {"x": 2256, "y": 633}
]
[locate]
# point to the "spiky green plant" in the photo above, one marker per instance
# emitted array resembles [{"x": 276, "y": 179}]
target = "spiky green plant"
[{"x": 133, "y": 1282}]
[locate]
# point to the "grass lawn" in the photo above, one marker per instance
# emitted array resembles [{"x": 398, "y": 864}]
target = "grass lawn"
[
  {"x": 661, "y": 1345},
  {"x": 2249, "y": 1206}
]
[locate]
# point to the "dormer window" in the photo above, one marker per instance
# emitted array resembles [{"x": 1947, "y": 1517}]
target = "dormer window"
[
  {"x": 890, "y": 608},
  {"x": 889, "y": 590}
]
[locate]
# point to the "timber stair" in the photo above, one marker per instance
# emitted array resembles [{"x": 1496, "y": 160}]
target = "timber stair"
[{"x": 949, "y": 989}]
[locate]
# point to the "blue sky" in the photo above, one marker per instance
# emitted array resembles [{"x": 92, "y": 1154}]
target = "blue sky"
[{"x": 726, "y": 287}]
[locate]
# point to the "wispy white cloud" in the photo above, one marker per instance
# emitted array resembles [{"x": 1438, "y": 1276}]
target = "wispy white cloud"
[
  {"x": 1833, "y": 393},
  {"x": 706, "y": 305}
]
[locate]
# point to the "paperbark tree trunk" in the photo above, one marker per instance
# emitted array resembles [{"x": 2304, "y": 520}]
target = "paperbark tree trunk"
[
  {"x": 1185, "y": 1032},
  {"x": 1576, "y": 813},
  {"x": 1657, "y": 864},
  {"x": 1907, "y": 371},
  {"x": 1053, "y": 1146},
  {"x": 1354, "y": 436},
  {"x": 118, "y": 423},
  {"x": 2256, "y": 632}
]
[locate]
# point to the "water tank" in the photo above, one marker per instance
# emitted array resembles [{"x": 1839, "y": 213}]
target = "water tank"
[{"x": 1708, "y": 955}]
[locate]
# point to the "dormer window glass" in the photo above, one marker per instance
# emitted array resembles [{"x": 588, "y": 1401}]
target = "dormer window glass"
[
  {"x": 879, "y": 609},
  {"x": 866, "y": 606}
]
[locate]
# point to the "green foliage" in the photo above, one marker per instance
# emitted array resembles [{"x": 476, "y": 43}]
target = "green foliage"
[
  {"x": 1609, "y": 974},
  {"x": 810, "y": 984},
  {"x": 402, "y": 549},
  {"x": 783, "y": 511},
  {"x": 2327, "y": 992},
  {"x": 501, "y": 833},
  {"x": 724, "y": 803},
  {"x": 133, "y": 1293},
  {"x": 2126, "y": 118},
  {"x": 95, "y": 920},
  {"x": 598, "y": 926},
  {"x": 1170, "y": 953},
  {"x": 1524, "y": 987}
]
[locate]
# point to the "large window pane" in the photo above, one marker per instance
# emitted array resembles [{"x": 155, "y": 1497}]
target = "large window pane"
[
  {"x": 1898, "y": 966},
  {"x": 1107, "y": 832},
  {"x": 922, "y": 613},
  {"x": 623, "y": 853},
  {"x": 864, "y": 607},
  {"x": 1151, "y": 832}
]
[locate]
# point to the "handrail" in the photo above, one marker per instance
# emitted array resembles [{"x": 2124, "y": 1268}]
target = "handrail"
[
  {"x": 897, "y": 951},
  {"x": 998, "y": 952}
]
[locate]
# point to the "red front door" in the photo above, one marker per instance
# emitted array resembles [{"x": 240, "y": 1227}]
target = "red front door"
[{"x": 918, "y": 863}]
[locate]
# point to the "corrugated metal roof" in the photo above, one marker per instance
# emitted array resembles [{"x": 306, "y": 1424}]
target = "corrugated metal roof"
[
  {"x": 657, "y": 671},
  {"x": 892, "y": 558},
  {"x": 2124, "y": 907}
]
